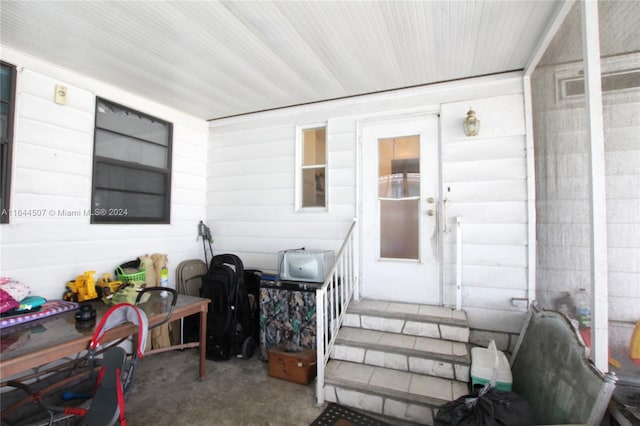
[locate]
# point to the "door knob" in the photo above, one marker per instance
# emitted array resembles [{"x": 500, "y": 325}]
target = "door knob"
[
  {"x": 430, "y": 200},
  {"x": 431, "y": 212}
]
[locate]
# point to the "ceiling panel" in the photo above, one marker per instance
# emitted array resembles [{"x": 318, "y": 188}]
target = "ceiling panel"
[{"x": 216, "y": 59}]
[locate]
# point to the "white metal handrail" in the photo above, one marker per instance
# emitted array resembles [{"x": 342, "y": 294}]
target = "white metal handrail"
[{"x": 332, "y": 301}]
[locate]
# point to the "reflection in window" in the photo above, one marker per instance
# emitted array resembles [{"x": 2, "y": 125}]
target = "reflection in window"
[
  {"x": 398, "y": 193},
  {"x": 314, "y": 159}
]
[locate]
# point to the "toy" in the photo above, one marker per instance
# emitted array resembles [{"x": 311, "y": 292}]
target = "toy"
[
  {"x": 81, "y": 289},
  {"x": 106, "y": 286}
]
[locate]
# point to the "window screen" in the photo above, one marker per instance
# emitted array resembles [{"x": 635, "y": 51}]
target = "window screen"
[{"x": 132, "y": 166}]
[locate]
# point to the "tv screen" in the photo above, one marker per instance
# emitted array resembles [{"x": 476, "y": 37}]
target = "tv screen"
[{"x": 305, "y": 265}]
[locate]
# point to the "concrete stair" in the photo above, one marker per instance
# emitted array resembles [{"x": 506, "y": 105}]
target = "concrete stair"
[{"x": 399, "y": 360}]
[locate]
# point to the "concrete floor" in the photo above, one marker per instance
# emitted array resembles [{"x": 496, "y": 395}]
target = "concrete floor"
[{"x": 166, "y": 391}]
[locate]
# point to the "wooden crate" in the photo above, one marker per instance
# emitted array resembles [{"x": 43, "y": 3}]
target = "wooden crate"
[{"x": 298, "y": 367}]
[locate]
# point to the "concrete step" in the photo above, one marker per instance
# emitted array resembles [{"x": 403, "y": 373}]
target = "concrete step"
[
  {"x": 388, "y": 392},
  {"x": 407, "y": 318},
  {"x": 415, "y": 354},
  {"x": 399, "y": 360}
]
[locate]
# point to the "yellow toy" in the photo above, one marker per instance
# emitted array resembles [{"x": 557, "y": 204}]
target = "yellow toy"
[
  {"x": 81, "y": 289},
  {"x": 107, "y": 286}
]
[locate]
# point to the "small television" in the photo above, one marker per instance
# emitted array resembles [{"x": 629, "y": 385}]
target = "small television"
[{"x": 305, "y": 265}]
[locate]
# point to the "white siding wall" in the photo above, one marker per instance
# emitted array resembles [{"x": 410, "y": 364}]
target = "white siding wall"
[
  {"x": 251, "y": 192},
  {"x": 484, "y": 179},
  {"x": 52, "y": 172},
  {"x": 251, "y": 185},
  {"x": 563, "y": 195}
]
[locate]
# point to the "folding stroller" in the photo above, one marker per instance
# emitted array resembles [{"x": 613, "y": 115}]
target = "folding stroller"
[
  {"x": 231, "y": 319},
  {"x": 115, "y": 377}
]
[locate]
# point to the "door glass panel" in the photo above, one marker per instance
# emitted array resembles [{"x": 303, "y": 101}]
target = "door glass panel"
[{"x": 398, "y": 194}]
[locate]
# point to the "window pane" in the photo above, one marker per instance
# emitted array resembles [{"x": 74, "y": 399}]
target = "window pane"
[
  {"x": 4, "y": 120},
  {"x": 128, "y": 179},
  {"x": 399, "y": 231},
  {"x": 125, "y": 206},
  {"x": 118, "y": 147},
  {"x": 399, "y": 179},
  {"x": 399, "y": 167},
  {"x": 5, "y": 83},
  {"x": 132, "y": 123},
  {"x": 313, "y": 187},
  {"x": 314, "y": 147}
]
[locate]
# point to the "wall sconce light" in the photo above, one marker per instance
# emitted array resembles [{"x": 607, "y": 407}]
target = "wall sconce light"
[{"x": 471, "y": 124}]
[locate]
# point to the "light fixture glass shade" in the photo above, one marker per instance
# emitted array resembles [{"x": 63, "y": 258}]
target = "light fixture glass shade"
[{"x": 471, "y": 124}]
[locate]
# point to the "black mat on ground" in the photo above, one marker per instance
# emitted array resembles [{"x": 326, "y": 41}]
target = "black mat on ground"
[{"x": 337, "y": 415}]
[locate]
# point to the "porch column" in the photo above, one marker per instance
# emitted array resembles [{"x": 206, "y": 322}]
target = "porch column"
[{"x": 598, "y": 212}]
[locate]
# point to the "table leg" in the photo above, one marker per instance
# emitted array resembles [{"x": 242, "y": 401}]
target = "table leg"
[{"x": 203, "y": 342}]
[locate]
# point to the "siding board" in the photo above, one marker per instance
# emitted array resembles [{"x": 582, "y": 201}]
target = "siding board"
[
  {"x": 51, "y": 183},
  {"x": 51, "y": 135},
  {"x": 50, "y": 159},
  {"x": 489, "y": 212},
  {"x": 256, "y": 180},
  {"x": 489, "y": 255},
  {"x": 491, "y": 149},
  {"x": 46, "y": 111},
  {"x": 240, "y": 166},
  {"x": 471, "y": 171},
  {"x": 490, "y": 233},
  {"x": 490, "y": 191},
  {"x": 488, "y": 276},
  {"x": 277, "y": 213}
]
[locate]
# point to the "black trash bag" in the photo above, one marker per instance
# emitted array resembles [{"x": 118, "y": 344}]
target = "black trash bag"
[{"x": 490, "y": 407}]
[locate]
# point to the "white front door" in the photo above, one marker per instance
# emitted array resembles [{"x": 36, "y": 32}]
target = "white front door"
[{"x": 400, "y": 239}]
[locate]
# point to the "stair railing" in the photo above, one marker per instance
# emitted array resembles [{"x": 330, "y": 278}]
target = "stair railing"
[{"x": 332, "y": 301}]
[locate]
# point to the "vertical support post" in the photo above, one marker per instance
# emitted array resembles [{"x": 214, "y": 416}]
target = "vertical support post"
[
  {"x": 356, "y": 245},
  {"x": 531, "y": 193},
  {"x": 458, "y": 263},
  {"x": 598, "y": 216},
  {"x": 320, "y": 333}
]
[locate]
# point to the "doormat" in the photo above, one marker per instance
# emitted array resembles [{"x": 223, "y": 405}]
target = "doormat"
[{"x": 337, "y": 415}]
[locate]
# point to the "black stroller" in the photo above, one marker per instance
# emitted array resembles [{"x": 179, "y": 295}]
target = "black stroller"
[
  {"x": 231, "y": 319},
  {"x": 115, "y": 376}
]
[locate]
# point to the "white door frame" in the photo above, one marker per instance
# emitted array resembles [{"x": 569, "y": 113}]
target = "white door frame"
[{"x": 380, "y": 120}]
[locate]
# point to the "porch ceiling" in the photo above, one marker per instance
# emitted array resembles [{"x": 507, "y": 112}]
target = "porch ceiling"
[{"x": 216, "y": 58}]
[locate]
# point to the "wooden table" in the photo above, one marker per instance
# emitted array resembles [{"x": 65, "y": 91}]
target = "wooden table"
[{"x": 40, "y": 342}]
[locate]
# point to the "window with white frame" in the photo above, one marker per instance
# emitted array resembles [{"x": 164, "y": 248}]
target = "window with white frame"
[
  {"x": 311, "y": 169},
  {"x": 7, "y": 108},
  {"x": 132, "y": 166}
]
